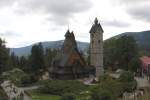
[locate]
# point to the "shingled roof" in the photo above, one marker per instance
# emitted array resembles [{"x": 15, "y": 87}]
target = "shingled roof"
[
  {"x": 63, "y": 57},
  {"x": 96, "y": 26},
  {"x": 145, "y": 62}
]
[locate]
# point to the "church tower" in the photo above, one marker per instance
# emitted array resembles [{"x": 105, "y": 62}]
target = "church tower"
[{"x": 96, "y": 47}]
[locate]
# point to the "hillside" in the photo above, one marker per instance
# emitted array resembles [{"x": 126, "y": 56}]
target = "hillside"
[
  {"x": 142, "y": 38},
  {"x": 24, "y": 51}
]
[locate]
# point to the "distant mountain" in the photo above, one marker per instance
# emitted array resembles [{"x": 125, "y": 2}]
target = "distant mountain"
[
  {"x": 24, "y": 51},
  {"x": 142, "y": 38}
]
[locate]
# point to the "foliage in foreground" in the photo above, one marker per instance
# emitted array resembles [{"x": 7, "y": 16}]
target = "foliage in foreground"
[
  {"x": 121, "y": 52},
  {"x": 110, "y": 89},
  {"x": 39, "y": 96},
  {"x": 17, "y": 76},
  {"x": 68, "y": 96},
  {"x": 59, "y": 87},
  {"x": 106, "y": 89},
  {"x": 101, "y": 94},
  {"x": 4, "y": 57},
  {"x": 127, "y": 79},
  {"x": 3, "y": 96}
]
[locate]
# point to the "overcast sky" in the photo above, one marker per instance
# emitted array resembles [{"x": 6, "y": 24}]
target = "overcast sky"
[{"x": 23, "y": 22}]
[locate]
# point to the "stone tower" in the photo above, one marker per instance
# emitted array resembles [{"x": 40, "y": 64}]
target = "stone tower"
[{"x": 96, "y": 47}]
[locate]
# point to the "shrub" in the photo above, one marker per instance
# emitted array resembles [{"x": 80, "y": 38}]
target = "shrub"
[
  {"x": 58, "y": 87},
  {"x": 128, "y": 82},
  {"x": 115, "y": 87},
  {"x": 126, "y": 76},
  {"x": 26, "y": 80},
  {"x": 102, "y": 94},
  {"x": 14, "y": 75},
  {"x": 105, "y": 77},
  {"x": 68, "y": 96},
  {"x": 3, "y": 95},
  {"x": 129, "y": 86}
]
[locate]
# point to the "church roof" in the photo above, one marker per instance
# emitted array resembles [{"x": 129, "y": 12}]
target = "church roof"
[
  {"x": 96, "y": 26},
  {"x": 63, "y": 57},
  {"x": 67, "y": 33}
]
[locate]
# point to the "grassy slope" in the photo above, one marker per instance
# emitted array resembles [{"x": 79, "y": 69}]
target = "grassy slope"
[{"x": 37, "y": 96}]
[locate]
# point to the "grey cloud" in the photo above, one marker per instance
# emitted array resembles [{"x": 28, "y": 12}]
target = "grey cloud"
[
  {"x": 130, "y": 2},
  {"x": 60, "y": 20},
  {"x": 10, "y": 34},
  {"x": 58, "y": 7},
  {"x": 4, "y": 3},
  {"x": 140, "y": 12},
  {"x": 60, "y": 11},
  {"x": 115, "y": 23},
  {"x": 138, "y": 9}
]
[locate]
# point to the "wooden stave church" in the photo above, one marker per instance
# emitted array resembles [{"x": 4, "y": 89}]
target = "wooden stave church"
[
  {"x": 69, "y": 63},
  {"x": 70, "y": 52}
]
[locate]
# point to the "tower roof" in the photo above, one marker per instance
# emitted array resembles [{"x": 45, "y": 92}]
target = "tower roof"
[
  {"x": 96, "y": 26},
  {"x": 69, "y": 48},
  {"x": 67, "y": 33}
]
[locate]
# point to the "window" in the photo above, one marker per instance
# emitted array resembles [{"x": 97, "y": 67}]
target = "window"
[
  {"x": 92, "y": 41},
  {"x": 99, "y": 41},
  {"x": 92, "y": 35}
]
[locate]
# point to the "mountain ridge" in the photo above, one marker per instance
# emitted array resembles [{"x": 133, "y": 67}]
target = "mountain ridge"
[
  {"x": 25, "y": 51},
  {"x": 142, "y": 39}
]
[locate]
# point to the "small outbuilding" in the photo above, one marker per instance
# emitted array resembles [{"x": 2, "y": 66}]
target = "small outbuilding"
[{"x": 145, "y": 64}]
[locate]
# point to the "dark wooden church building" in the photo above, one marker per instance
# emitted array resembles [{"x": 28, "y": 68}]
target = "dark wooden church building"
[{"x": 69, "y": 63}]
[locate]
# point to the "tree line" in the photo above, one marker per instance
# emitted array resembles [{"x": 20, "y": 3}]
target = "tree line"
[
  {"x": 34, "y": 65},
  {"x": 119, "y": 52},
  {"x": 122, "y": 52}
]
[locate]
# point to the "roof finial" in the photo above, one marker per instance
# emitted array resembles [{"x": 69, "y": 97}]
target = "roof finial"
[
  {"x": 96, "y": 20},
  {"x": 68, "y": 26}
]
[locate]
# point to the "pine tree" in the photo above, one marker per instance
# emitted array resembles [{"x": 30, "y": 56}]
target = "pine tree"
[
  {"x": 14, "y": 60},
  {"x": 23, "y": 64},
  {"x": 126, "y": 49},
  {"x": 49, "y": 55},
  {"x": 36, "y": 60},
  {"x": 4, "y": 57}
]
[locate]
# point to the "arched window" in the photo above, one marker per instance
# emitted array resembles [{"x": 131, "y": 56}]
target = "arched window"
[
  {"x": 92, "y": 41},
  {"x": 92, "y": 35}
]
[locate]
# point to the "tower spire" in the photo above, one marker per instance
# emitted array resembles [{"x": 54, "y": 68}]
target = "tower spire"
[
  {"x": 96, "y": 47},
  {"x": 96, "y": 21}
]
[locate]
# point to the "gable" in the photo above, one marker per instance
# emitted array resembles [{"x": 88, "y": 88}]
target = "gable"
[{"x": 75, "y": 57}]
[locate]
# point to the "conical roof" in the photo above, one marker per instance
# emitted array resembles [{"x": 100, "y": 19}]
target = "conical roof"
[{"x": 96, "y": 26}]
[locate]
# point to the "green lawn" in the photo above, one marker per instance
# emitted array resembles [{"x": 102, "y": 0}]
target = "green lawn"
[
  {"x": 44, "y": 97},
  {"x": 38, "y": 96}
]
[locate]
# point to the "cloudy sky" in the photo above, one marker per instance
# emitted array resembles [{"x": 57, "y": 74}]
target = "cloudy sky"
[{"x": 23, "y": 22}]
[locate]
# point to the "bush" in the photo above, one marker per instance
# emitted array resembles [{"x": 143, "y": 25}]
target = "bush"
[
  {"x": 126, "y": 76},
  {"x": 15, "y": 75},
  {"x": 68, "y": 96},
  {"x": 128, "y": 82},
  {"x": 104, "y": 78},
  {"x": 102, "y": 94},
  {"x": 115, "y": 87},
  {"x": 26, "y": 80},
  {"x": 3, "y": 95},
  {"x": 58, "y": 87},
  {"x": 1, "y": 79},
  {"x": 129, "y": 86}
]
